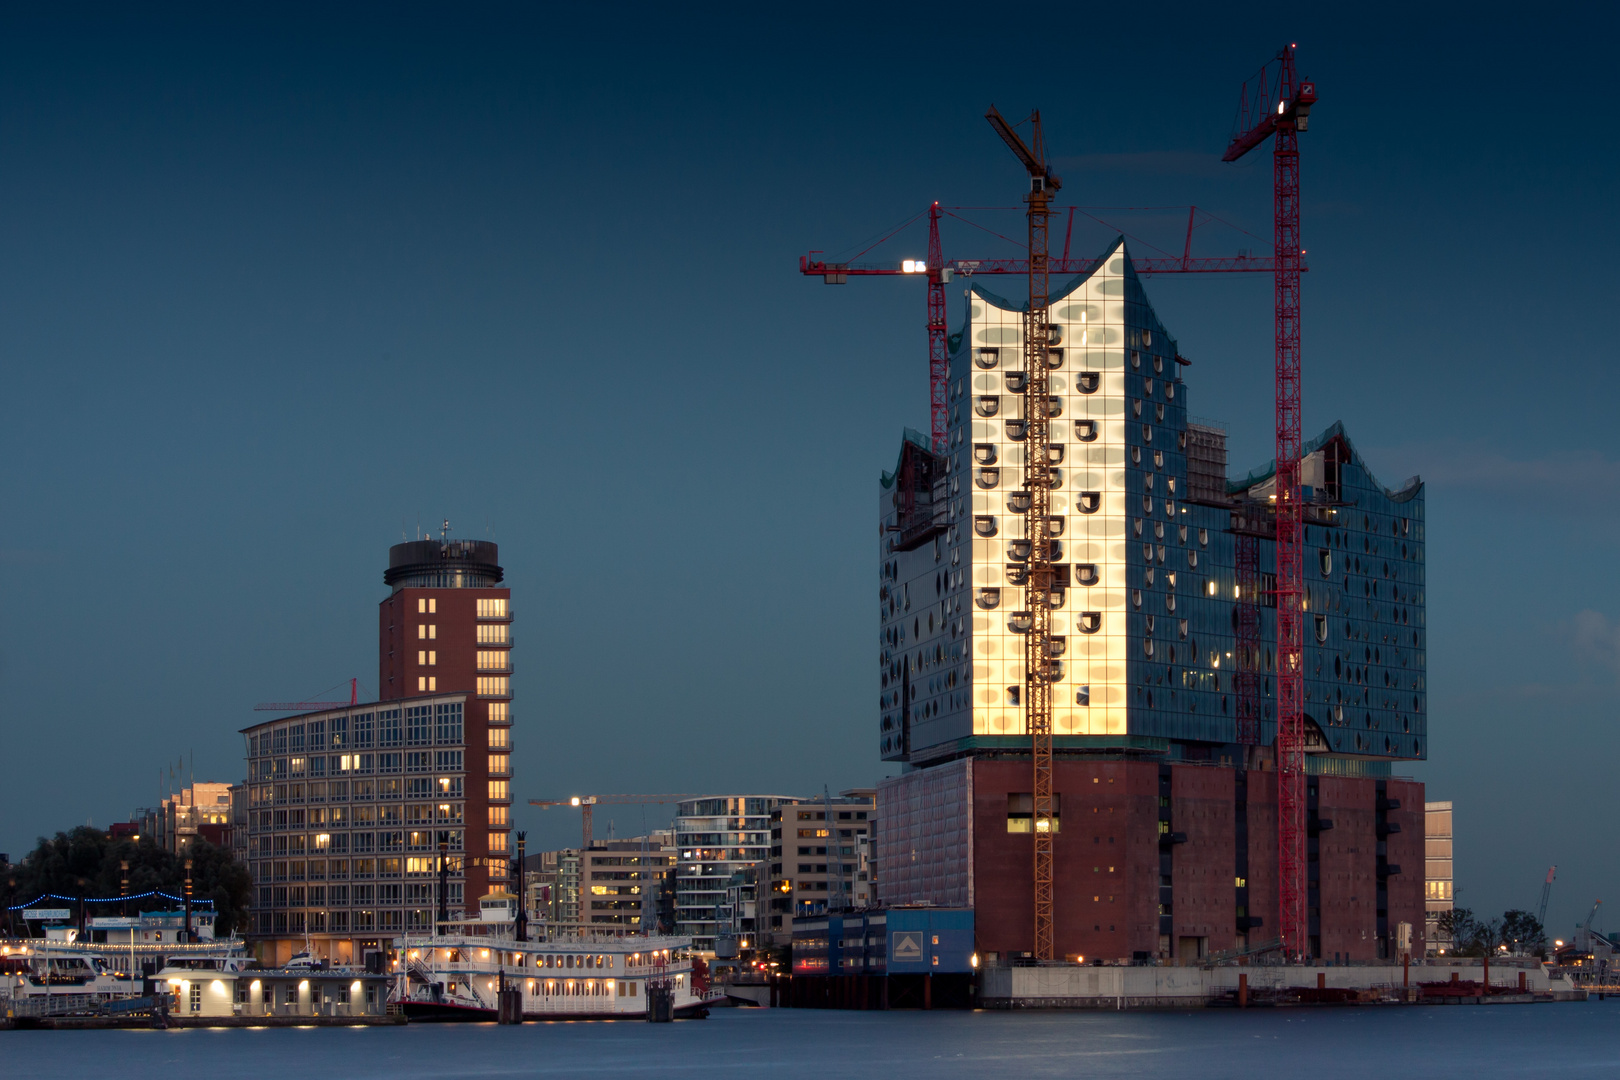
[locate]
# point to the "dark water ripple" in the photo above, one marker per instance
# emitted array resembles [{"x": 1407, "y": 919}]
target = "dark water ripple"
[{"x": 1480, "y": 1043}]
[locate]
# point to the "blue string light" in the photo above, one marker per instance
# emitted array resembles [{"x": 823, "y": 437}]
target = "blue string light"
[{"x": 110, "y": 899}]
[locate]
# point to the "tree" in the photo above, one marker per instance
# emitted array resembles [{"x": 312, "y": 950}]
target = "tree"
[
  {"x": 84, "y": 862},
  {"x": 1524, "y": 933},
  {"x": 1470, "y": 935}
]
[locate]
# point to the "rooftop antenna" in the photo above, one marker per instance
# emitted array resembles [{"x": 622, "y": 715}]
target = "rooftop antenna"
[{"x": 444, "y": 531}]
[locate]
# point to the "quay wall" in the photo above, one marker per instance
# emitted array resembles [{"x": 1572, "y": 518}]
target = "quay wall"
[{"x": 1163, "y": 987}]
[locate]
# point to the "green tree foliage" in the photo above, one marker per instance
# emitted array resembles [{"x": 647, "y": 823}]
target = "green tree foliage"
[
  {"x": 1524, "y": 933},
  {"x": 1473, "y": 936},
  {"x": 85, "y": 862}
]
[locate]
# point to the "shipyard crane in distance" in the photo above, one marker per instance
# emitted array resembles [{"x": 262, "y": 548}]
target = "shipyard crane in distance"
[
  {"x": 1043, "y": 185},
  {"x": 311, "y": 706},
  {"x": 1546, "y": 894},
  {"x": 1276, "y": 105},
  {"x": 587, "y": 803}
]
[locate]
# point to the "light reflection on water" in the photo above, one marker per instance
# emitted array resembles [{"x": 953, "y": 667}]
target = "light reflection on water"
[{"x": 785, "y": 1044}]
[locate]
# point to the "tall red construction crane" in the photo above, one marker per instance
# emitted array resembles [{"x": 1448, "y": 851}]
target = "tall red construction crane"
[{"x": 1276, "y": 105}]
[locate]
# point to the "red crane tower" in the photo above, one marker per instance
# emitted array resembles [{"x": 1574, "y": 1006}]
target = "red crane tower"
[{"x": 1279, "y": 108}]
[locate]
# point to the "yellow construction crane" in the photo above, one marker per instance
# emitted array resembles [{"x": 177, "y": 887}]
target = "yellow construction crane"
[
  {"x": 588, "y": 802},
  {"x": 1043, "y": 185}
]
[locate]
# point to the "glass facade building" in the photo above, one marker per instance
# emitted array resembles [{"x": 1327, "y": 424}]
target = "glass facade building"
[
  {"x": 344, "y": 812},
  {"x": 1144, "y": 525},
  {"x": 714, "y": 838},
  {"x": 1439, "y": 887}
]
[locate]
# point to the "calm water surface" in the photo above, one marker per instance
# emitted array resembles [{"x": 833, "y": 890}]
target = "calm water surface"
[{"x": 784, "y": 1044}]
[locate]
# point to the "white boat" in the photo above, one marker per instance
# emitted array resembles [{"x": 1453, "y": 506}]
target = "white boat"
[
  {"x": 62, "y": 977},
  {"x": 67, "y": 974},
  {"x": 564, "y": 972}
]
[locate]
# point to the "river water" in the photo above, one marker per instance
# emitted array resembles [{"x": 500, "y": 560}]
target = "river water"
[{"x": 1476, "y": 1042}]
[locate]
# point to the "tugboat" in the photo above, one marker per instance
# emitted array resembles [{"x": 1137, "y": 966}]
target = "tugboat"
[{"x": 570, "y": 971}]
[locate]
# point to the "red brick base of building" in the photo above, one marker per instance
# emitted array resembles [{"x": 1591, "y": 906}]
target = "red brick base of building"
[{"x": 1154, "y": 860}]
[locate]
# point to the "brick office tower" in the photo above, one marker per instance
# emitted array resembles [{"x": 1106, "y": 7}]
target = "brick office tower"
[
  {"x": 446, "y": 628},
  {"x": 1166, "y": 827}
]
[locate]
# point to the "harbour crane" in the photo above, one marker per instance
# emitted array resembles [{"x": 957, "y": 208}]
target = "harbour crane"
[
  {"x": 311, "y": 706},
  {"x": 1279, "y": 109},
  {"x": 1546, "y": 894},
  {"x": 587, "y": 803}
]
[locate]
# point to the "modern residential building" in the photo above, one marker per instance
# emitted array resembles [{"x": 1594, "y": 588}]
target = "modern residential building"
[
  {"x": 346, "y": 811},
  {"x": 714, "y": 838},
  {"x": 738, "y": 919},
  {"x": 201, "y": 810},
  {"x": 348, "y": 807},
  {"x": 240, "y": 834},
  {"x": 1168, "y": 838},
  {"x": 624, "y": 881},
  {"x": 816, "y": 859},
  {"x": 1439, "y": 892},
  {"x": 551, "y": 885}
]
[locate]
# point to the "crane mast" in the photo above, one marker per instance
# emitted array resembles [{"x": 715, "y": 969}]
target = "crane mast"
[
  {"x": 938, "y": 360},
  {"x": 1043, "y": 185},
  {"x": 1280, "y": 110}
]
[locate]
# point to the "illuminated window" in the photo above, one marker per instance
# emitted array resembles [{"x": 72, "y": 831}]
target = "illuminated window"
[
  {"x": 500, "y": 712},
  {"x": 500, "y": 789},
  {"x": 1021, "y": 812},
  {"x": 500, "y": 737},
  {"x": 497, "y": 841},
  {"x": 500, "y": 763},
  {"x": 498, "y": 815},
  {"x": 494, "y": 660},
  {"x": 494, "y": 686},
  {"x": 494, "y": 633},
  {"x": 427, "y": 606},
  {"x": 492, "y": 609}
]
